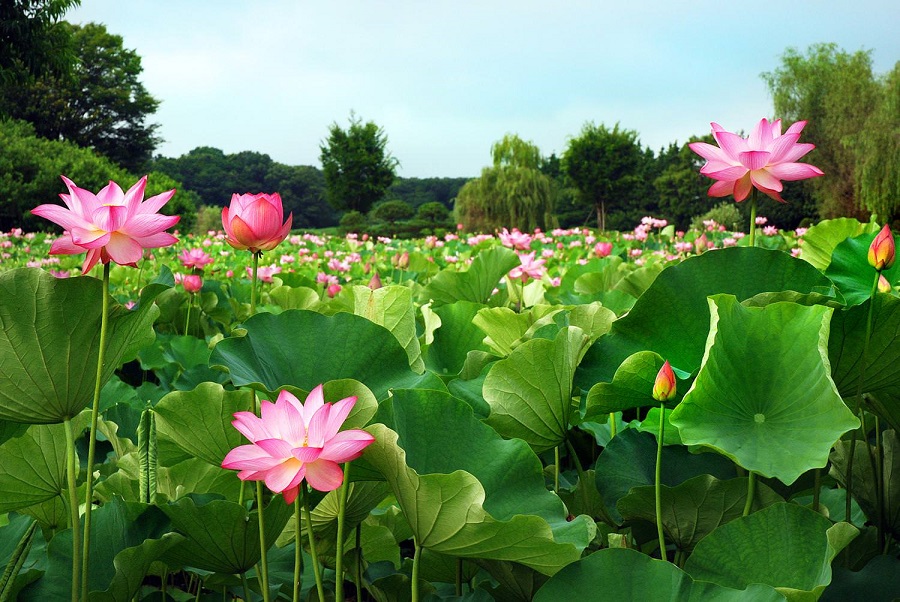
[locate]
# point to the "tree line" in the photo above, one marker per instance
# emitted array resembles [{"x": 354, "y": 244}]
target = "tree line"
[{"x": 71, "y": 101}]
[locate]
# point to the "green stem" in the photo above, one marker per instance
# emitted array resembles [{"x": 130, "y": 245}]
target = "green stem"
[
  {"x": 187, "y": 320},
  {"x": 751, "y": 492},
  {"x": 817, "y": 486},
  {"x": 253, "y": 284},
  {"x": 339, "y": 553},
  {"x": 556, "y": 469},
  {"x": 263, "y": 554},
  {"x": 359, "y": 562},
  {"x": 312, "y": 543},
  {"x": 298, "y": 551},
  {"x": 659, "y": 447},
  {"x": 613, "y": 427},
  {"x": 879, "y": 483},
  {"x": 415, "y": 571},
  {"x": 92, "y": 437},
  {"x": 859, "y": 395},
  {"x": 71, "y": 476},
  {"x": 753, "y": 217},
  {"x": 246, "y": 586},
  {"x": 575, "y": 459}
]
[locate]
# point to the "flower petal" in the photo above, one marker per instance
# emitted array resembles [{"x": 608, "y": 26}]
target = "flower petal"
[
  {"x": 280, "y": 477},
  {"x": 123, "y": 249},
  {"x": 249, "y": 457},
  {"x": 155, "y": 203},
  {"x": 762, "y": 179},
  {"x": 148, "y": 224},
  {"x": 277, "y": 448},
  {"x": 307, "y": 454},
  {"x": 346, "y": 445},
  {"x": 324, "y": 475},
  {"x": 795, "y": 171},
  {"x": 251, "y": 426},
  {"x": 314, "y": 401},
  {"x": 337, "y": 416}
]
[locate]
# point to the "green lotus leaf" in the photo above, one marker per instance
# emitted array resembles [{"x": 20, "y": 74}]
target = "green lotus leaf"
[
  {"x": 850, "y": 270},
  {"x": 199, "y": 421},
  {"x": 222, "y": 536},
  {"x": 864, "y": 481},
  {"x": 475, "y": 284},
  {"x": 629, "y": 460},
  {"x": 631, "y": 387},
  {"x": 392, "y": 307},
  {"x": 616, "y": 574},
  {"x": 502, "y": 327},
  {"x": 304, "y": 348},
  {"x": 882, "y": 369},
  {"x": 294, "y": 297},
  {"x": 467, "y": 492},
  {"x": 821, "y": 239},
  {"x": 785, "y": 545},
  {"x": 693, "y": 509},
  {"x": 672, "y": 316},
  {"x": 764, "y": 395},
  {"x": 639, "y": 280},
  {"x": 456, "y": 336},
  {"x": 594, "y": 319},
  {"x": 134, "y": 536},
  {"x": 50, "y": 338},
  {"x": 33, "y": 466},
  {"x": 530, "y": 392}
]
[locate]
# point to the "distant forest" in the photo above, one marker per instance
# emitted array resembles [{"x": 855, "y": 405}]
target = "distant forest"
[{"x": 215, "y": 176}]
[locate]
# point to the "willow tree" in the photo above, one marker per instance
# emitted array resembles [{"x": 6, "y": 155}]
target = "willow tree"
[
  {"x": 511, "y": 193},
  {"x": 877, "y": 152},
  {"x": 836, "y": 92}
]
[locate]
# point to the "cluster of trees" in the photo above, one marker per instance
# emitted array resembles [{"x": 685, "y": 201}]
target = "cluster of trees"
[{"x": 71, "y": 102}]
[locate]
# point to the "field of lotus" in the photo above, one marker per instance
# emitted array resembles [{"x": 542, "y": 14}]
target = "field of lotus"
[{"x": 258, "y": 414}]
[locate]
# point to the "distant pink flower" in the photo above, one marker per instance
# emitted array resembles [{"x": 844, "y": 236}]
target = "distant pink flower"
[
  {"x": 253, "y": 221},
  {"x": 515, "y": 239},
  {"x": 761, "y": 220},
  {"x": 292, "y": 442},
  {"x": 762, "y": 160},
  {"x": 529, "y": 268},
  {"x": 333, "y": 289},
  {"x": 192, "y": 283},
  {"x": 603, "y": 249},
  {"x": 195, "y": 258},
  {"x": 111, "y": 225},
  {"x": 770, "y": 230},
  {"x": 264, "y": 273}
]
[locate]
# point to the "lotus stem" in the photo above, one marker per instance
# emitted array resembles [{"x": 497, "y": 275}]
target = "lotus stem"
[
  {"x": 751, "y": 492},
  {"x": 253, "y": 284},
  {"x": 339, "y": 554},
  {"x": 245, "y": 586},
  {"x": 817, "y": 485},
  {"x": 556, "y": 469},
  {"x": 312, "y": 543},
  {"x": 612, "y": 425},
  {"x": 879, "y": 482},
  {"x": 71, "y": 476},
  {"x": 92, "y": 437},
  {"x": 359, "y": 562},
  {"x": 187, "y": 320},
  {"x": 753, "y": 217},
  {"x": 298, "y": 551},
  {"x": 415, "y": 571},
  {"x": 263, "y": 555},
  {"x": 659, "y": 446}
]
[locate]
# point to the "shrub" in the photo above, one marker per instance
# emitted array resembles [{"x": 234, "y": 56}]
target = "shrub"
[{"x": 392, "y": 211}]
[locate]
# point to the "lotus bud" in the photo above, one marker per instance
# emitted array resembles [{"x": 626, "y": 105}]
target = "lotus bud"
[
  {"x": 333, "y": 289},
  {"x": 881, "y": 251},
  {"x": 700, "y": 243},
  {"x": 403, "y": 262},
  {"x": 375, "y": 282},
  {"x": 664, "y": 387},
  {"x": 883, "y": 285},
  {"x": 192, "y": 283}
]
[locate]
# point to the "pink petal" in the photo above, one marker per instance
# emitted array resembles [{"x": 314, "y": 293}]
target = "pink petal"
[
  {"x": 154, "y": 241},
  {"x": 307, "y": 454},
  {"x": 795, "y": 171},
  {"x": 347, "y": 445},
  {"x": 316, "y": 429},
  {"x": 123, "y": 249},
  {"x": 263, "y": 218},
  {"x": 110, "y": 217},
  {"x": 742, "y": 188},
  {"x": 761, "y": 135},
  {"x": 277, "y": 448},
  {"x": 722, "y": 188},
  {"x": 279, "y": 477},
  {"x": 324, "y": 475},
  {"x": 155, "y": 203},
  {"x": 134, "y": 195},
  {"x": 782, "y": 146},
  {"x": 314, "y": 401},
  {"x": 732, "y": 144},
  {"x": 251, "y": 426},
  {"x": 148, "y": 225},
  {"x": 754, "y": 159},
  {"x": 111, "y": 194},
  {"x": 89, "y": 238},
  {"x": 90, "y": 260},
  {"x": 796, "y": 128},
  {"x": 797, "y": 151},
  {"x": 61, "y": 217},
  {"x": 337, "y": 416},
  {"x": 249, "y": 457},
  {"x": 762, "y": 179},
  {"x": 290, "y": 494},
  {"x": 243, "y": 233},
  {"x": 64, "y": 246},
  {"x": 729, "y": 174},
  {"x": 709, "y": 152}
]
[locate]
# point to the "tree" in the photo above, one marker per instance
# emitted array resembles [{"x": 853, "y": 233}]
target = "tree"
[
  {"x": 511, "y": 193},
  {"x": 604, "y": 165},
  {"x": 357, "y": 167},
  {"x": 102, "y": 105},
  {"x": 32, "y": 42},
  {"x": 835, "y": 92}
]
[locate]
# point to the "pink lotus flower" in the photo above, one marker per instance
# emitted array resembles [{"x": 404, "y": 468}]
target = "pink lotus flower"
[
  {"x": 603, "y": 249},
  {"x": 264, "y": 273},
  {"x": 762, "y": 160},
  {"x": 293, "y": 441},
  {"x": 111, "y": 225},
  {"x": 529, "y": 268},
  {"x": 195, "y": 258},
  {"x": 253, "y": 221},
  {"x": 192, "y": 283},
  {"x": 515, "y": 239},
  {"x": 881, "y": 251}
]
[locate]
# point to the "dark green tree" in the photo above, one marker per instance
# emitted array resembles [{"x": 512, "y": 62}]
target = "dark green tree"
[
  {"x": 101, "y": 105},
  {"x": 511, "y": 193},
  {"x": 358, "y": 168},
  {"x": 32, "y": 42},
  {"x": 835, "y": 92},
  {"x": 604, "y": 165}
]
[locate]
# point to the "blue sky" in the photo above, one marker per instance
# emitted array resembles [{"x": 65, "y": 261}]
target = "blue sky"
[{"x": 446, "y": 79}]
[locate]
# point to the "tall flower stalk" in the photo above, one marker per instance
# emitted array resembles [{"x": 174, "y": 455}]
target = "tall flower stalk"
[
  {"x": 664, "y": 389},
  {"x": 110, "y": 226}
]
